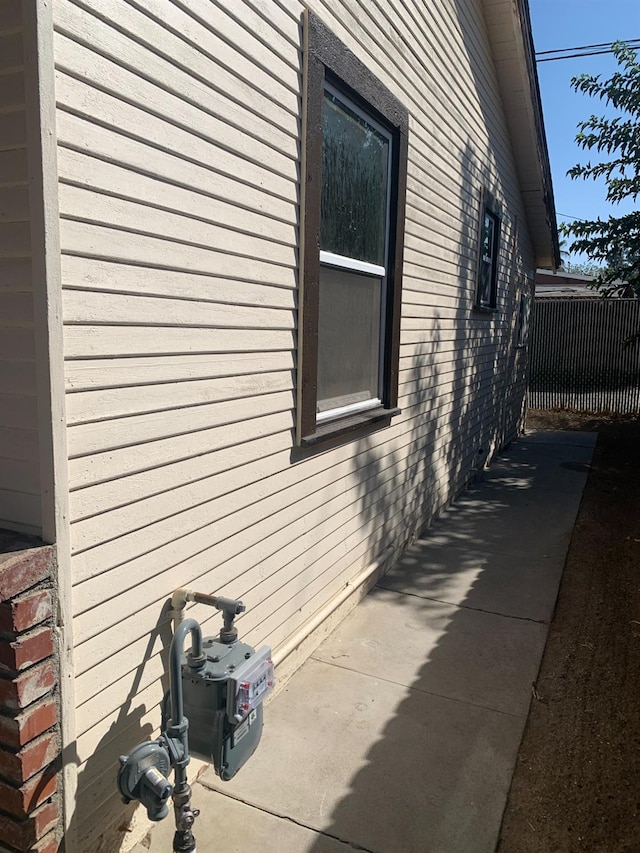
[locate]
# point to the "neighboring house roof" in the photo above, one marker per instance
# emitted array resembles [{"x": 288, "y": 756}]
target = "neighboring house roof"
[
  {"x": 547, "y": 293},
  {"x": 565, "y": 284},
  {"x": 509, "y": 28}
]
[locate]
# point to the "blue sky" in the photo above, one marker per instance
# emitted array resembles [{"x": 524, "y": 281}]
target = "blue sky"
[{"x": 570, "y": 23}]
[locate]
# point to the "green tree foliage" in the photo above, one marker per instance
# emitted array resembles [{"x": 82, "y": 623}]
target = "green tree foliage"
[{"x": 614, "y": 243}]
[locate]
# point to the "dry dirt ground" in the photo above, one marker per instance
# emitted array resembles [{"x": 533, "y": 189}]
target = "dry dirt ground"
[{"x": 577, "y": 780}]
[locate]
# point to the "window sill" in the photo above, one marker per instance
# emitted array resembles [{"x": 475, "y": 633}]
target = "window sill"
[
  {"x": 350, "y": 426},
  {"x": 484, "y": 309}
]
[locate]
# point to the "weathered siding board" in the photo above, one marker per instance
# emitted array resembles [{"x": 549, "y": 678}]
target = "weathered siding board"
[
  {"x": 118, "y": 433},
  {"x": 133, "y": 309},
  {"x": 112, "y": 464},
  {"x": 91, "y": 375},
  {"x": 277, "y": 149},
  {"x": 106, "y": 276},
  {"x": 108, "y": 243},
  {"x": 165, "y": 194},
  {"x": 162, "y": 74},
  {"x": 85, "y": 341},
  {"x": 19, "y": 448},
  {"x": 118, "y": 146},
  {"x": 274, "y": 245},
  {"x": 110, "y": 496},
  {"x": 177, "y": 38},
  {"x": 178, "y": 132},
  {"x": 110, "y": 128}
]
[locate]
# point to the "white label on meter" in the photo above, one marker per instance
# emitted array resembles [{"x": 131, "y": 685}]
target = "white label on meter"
[{"x": 240, "y": 731}]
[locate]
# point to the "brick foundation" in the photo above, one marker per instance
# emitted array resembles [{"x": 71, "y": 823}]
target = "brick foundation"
[{"x": 29, "y": 717}]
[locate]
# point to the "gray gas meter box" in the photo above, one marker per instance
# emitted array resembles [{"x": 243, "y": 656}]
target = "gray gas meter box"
[{"x": 223, "y": 703}]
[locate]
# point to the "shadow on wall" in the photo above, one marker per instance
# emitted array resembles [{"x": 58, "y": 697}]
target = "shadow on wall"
[
  {"x": 462, "y": 390},
  {"x": 125, "y": 732}
]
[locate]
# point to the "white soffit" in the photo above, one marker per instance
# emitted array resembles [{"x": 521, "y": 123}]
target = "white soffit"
[{"x": 509, "y": 29}]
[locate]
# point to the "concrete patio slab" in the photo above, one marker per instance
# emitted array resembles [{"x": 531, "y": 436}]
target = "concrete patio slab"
[
  {"x": 532, "y": 524},
  {"x": 383, "y": 767},
  {"x": 559, "y": 468},
  {"x": 570, "y": 481},
  {"x": 229, "y": 825},
  {"x": 509, "y": 585},
  {"x": 559, "y": 436},
  {"x": 454, "y": 652}
]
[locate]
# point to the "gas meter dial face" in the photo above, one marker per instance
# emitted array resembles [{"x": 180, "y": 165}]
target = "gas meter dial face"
[{"x": 250, "y": 684}]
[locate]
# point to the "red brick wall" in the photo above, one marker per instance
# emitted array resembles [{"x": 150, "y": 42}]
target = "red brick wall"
[{"x": 29, "y": 719}]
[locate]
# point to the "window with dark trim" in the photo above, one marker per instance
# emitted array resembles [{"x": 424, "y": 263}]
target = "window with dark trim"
[
  {"x": 488, "y": 249},
  {"x": 353, "y": 197}
]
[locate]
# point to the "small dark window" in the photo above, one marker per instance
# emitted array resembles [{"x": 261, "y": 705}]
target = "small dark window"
[
  {"x": 524, "y": 315},
  {"x": 354, "y": 192},
  {"x": 486, "y": 293}
]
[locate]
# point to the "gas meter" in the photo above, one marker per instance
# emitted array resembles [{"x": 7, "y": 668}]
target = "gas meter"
[
  {"x": 213, "y": 710},
  {"x": 222, "y": 697}
]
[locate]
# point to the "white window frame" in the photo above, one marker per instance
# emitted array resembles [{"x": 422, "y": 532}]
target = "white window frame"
[{"x": 331, "y": 259}]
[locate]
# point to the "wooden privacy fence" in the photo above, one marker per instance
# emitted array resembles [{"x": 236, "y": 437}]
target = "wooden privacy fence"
[{"x": 577, "y": 357}]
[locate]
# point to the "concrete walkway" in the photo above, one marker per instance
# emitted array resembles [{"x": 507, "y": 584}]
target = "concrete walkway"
[{"x": 400, "y": 734}]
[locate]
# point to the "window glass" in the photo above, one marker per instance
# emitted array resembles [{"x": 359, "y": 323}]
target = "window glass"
[
  {"x": 488, "y": 237},
  {"x": 355, "y": 162},
  {"x": 486, "y": 283},
  {"x": 348, "y": 338}
]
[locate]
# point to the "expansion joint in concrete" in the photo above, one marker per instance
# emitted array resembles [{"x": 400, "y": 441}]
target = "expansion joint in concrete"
[
  {"x": 467, "y": 607},
  {"x": 349, "y": 845}
]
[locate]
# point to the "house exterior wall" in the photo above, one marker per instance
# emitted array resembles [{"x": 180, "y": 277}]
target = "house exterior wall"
[
  {"x": 178, "y": 133},
  {"x": 19, "y": 446}
]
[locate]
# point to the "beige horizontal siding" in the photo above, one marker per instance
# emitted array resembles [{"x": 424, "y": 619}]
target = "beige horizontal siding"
[
  {"x": 109, "y": 127},
  {"x": 85, "y": 341},
  {"x": 90, "y": 374},
  {"x": 178, "y": 133},
  {"x": 104, "y": 242},
  {"x": 19, "y": 448},
  {"x": 228, "y": 554},
  {"x": 135, "y": 310},
  {"x": 168, "y": 410}
]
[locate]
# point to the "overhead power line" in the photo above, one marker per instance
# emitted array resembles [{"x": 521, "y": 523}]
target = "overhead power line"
[
  {"x": 582, "y": 47},
  {"x": 582, "y": 50},
  {"x": 568, "y": 216}
]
